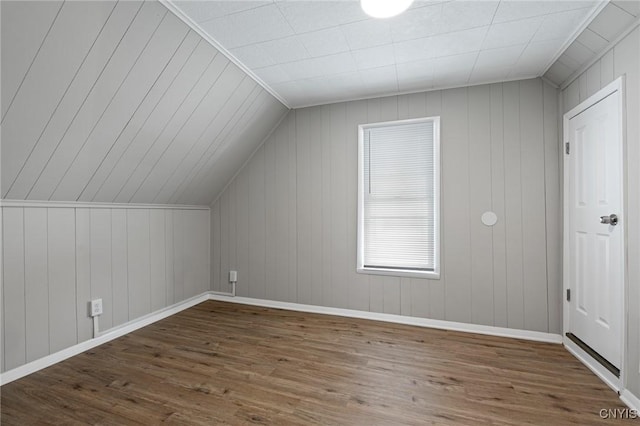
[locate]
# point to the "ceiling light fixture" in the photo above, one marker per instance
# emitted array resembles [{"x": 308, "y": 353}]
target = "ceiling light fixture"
[{"x": 384, "y": 8}]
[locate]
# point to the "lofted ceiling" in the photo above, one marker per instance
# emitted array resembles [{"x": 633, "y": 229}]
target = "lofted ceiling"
[
  {"x": 314, "y": 52},
  {"x": 611, "y": 21},
  {"x": 121, "y": 102}
]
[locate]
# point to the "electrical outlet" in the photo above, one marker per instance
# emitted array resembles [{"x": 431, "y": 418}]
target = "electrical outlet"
[
  {"x": 96, "y": 307},
  {"x": 233, "y": 276}
]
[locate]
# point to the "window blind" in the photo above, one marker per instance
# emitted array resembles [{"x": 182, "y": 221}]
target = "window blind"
[{"x": 399, "y": 196}]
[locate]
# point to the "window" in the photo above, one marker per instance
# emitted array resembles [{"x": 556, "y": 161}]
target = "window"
[{"x": 398, "y": 198}]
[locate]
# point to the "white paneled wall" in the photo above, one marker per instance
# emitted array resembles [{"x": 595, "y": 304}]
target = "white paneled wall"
[
  {"x": 121, "y": 102},
  {"x": 623, "y": 59},
  {"x": 287, "y": 222},
  {"x": 57, "y": 259}
]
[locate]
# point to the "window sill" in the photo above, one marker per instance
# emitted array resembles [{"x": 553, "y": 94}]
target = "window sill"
[{"x": 432, "y": 275}]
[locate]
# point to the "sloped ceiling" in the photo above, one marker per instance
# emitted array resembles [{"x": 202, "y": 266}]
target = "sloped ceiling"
[
  {"x": 616, "y": 17},
  {"x": 313, "y": 52},
  {"x": 121, "y": 102}
]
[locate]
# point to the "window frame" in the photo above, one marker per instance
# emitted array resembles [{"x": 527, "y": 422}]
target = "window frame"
[{"x": 412, "y": 273}]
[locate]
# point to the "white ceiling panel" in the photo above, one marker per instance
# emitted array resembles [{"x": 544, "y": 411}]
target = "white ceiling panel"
[
  {"x": 367, "y": 33},
  {"x": 374, "y": 57},
  {"x": 324, "y": 42},
  {"x": 316, "y": 40},
  {"x": 610, "y": 21},
  {"x": 511, "y": 33},
  {"x": 592, "y": 41},
  {"x": 560, "y": 25},
  {"x": 306, "y": 16},
  {"x": 257, "y": 25},
  {"x": 211, "y": 9}
]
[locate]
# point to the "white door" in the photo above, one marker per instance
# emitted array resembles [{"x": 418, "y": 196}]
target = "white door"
[{"x": 596, "y": 241}]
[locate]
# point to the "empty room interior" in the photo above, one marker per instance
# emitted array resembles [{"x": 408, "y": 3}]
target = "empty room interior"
[{"x": 346, "y": 212}]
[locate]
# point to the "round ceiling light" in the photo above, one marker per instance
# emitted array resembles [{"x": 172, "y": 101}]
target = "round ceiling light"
[{"x": 384, "y": 8}]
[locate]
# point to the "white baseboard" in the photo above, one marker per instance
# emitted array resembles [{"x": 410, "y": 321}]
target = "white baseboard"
[
  {"x": 603, "y": 374},
  {"x": 114, "y": 333},
  {"x": 630, "y": 400},
  {"x": 398, "y": 319}
]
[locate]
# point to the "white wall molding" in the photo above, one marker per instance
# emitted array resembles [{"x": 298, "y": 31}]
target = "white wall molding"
[
  {"x": 96, "y": 205},
  {"x": 106, "y": 336},
  {"x": 397, "y": 319},
  {"x": 630, "y": 400},
  {"x": 603, "y": 374}
]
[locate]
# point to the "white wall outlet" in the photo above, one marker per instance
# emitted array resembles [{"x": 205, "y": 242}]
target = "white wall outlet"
[
  {"x": 233, "y": 276},
  {"x": 96, "y": 307}
]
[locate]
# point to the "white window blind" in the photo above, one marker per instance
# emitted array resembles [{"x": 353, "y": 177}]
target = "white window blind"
[{"x": 398, "y": 196}]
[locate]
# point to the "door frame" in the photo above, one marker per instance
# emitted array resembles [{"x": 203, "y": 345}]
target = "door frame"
[{"x": 617, "y": 384}]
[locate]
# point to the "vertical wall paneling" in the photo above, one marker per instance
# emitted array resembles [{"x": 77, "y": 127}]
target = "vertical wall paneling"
[
  {"x": 455, "y": 201},
  {"x": 242, "y": 232},
  {"x": 196, "y": 253},
  {"x": 339, "y": 167},
  {"x": 270, "y": 215},
  {"x": 553, "y": 215},
  {"x": 498, "y": 231},
  {"x": 593, "y": 79},
  {"x": 303, "y": 204},
  {"x": 216, "y": 247},
  {"x": 101, "y": 264},
  {"x": 138, "y": 251},
  {"x": 224, "y": 241},
  {"x": 357, "y": 284},
  {"x": 36, "y": 282},
  {"x": 57, "y": 259},
  {"x": 281, "y": 247},
  {"x": 83, "y": 274},
  {"x": 178, "y": 258},
  {"x": 533, "y": 205},
  {"x": 13, "y": 289},
  {"x": 158, "y": 259},
  {"x": 2, "y": 318},
  {"x": 119, "y": 266},
  {"x": 169, "y": 256},
  {"x": 257, "y": 224},
  {"x": 292, "y": 207},
  {"x": 61, "y": 245},
  {"x": 436, "y": 292},
  {"x": 513, "y": 204},
  {"x": 376, "y": 282},
  {"x": 480, "y": 165}
]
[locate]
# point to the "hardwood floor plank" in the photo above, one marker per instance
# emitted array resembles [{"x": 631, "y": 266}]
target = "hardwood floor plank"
[{"x": 225, "y": 363}]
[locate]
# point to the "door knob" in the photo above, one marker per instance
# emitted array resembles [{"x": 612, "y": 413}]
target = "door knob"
[{"x": 612, "y": 219}]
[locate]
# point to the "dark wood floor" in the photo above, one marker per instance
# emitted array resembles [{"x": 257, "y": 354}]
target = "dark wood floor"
[{"x": 233, "y": 364}]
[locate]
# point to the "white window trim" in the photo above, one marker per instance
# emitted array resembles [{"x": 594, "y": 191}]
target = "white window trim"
[{"x": 360, "y": 268}]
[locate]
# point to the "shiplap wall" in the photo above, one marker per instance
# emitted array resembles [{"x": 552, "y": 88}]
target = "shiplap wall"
[
  {"x": 121, "y": 102},
  {"x": 287, "y": 222},
  {"x": 57, "y": 259},
  {"x": 623, "y": 59}
]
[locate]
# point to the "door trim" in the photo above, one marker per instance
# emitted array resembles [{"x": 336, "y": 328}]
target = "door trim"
[{"x": 615, "y": 86}]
